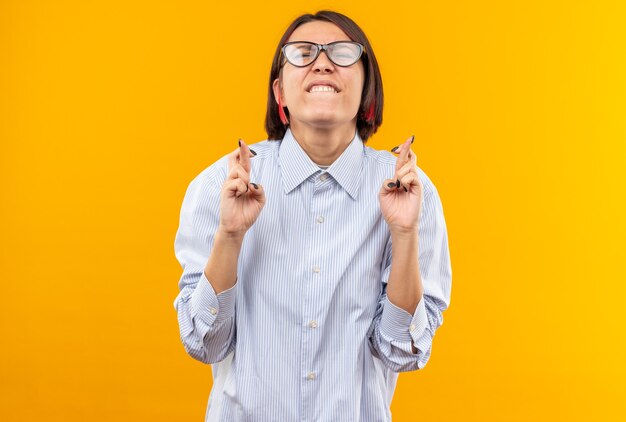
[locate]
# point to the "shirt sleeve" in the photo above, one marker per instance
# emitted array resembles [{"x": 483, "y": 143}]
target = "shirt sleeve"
[
  {"x": 394, "y": 331},
  {"x": 206, "y": 320}
]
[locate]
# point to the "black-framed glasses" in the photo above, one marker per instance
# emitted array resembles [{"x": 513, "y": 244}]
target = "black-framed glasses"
[{"x": 341, "y": 53}]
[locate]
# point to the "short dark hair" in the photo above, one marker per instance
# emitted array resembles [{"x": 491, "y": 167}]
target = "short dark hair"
[{"x": 370, "y": 114}]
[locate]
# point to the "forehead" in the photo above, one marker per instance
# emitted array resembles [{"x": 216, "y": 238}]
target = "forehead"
[{"x": 320, "y": 32}]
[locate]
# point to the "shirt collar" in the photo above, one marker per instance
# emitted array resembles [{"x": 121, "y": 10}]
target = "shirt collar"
[{"x": 296, "y": 166}]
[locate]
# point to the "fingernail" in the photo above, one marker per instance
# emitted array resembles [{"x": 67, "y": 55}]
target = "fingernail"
[
  {"x": 252, "y": 151},
  {"x": 412, "y": 138},
  {"x": 255, "y": 185},
  {"x": 394, "y": 148},
  {"x": 405, "y": 188},
  {"x": 397, "y": 183},
  {"x": 239, "y": 142},
  {"x": 390, "y": 184},
  {"x": 247, "y": 188}
]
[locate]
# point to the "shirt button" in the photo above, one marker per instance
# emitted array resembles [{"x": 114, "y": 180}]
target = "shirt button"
[
  {"x": 310, "y": 376},
  {"x": 316, "y": 269},
  {"x": 213, "y": 311},
  {"x": 411, "y": 327},
  {"x": 323, "y": 176},
  {"x": 320, "y": 219},
  {"x": 313, "y": 324}
]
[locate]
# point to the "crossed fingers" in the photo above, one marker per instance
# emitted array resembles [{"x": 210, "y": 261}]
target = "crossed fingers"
[
  {"x": 238, "y": 180},
  {"x": 406, "y": 166}
]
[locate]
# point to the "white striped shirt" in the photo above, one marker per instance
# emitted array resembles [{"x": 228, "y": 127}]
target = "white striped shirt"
[{"x": 307, "y": 332}]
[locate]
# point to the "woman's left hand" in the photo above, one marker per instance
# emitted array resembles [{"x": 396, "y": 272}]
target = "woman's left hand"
[{"x": 401, "y": 197}]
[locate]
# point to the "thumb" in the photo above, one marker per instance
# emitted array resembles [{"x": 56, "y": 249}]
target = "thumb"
[
  {"x": 389, "y": 185},
  {"x": 257, "y": 192}
]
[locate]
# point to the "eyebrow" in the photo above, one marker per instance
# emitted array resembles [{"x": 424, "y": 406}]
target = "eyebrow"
[{"x": 313, "y": 42}]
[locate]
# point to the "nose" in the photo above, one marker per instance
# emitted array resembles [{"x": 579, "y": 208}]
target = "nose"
[{"x": 322, "y": 65}]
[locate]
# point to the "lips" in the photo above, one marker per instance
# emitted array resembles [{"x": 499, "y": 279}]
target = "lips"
[{"x": 322, "y": 86}]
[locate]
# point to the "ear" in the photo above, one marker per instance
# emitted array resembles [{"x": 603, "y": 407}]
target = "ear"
[{"x": 278, "y": 93}]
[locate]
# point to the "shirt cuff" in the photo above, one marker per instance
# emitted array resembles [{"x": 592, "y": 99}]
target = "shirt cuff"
[
  {"x": 210, "y": 307},
  {"x": 401, "y": 326}
]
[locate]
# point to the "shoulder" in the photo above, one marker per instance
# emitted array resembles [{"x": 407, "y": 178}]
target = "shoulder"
[
  {"x": 265, "y": 150},
  {"x": 385, "y": 162},
  {"x": 205, "y": 187}
]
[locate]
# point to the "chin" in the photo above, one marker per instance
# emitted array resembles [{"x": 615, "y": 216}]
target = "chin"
[
  {"x": 326, "y": 117},
  {"x": 323, "y": 123}
]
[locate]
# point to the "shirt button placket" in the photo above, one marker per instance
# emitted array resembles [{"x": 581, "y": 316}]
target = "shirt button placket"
[{"x": 310, "y": 335}]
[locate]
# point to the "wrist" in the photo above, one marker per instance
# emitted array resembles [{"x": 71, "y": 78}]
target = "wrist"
[
  {"x": 231, "y": 237},
  {"x": 403, "y": 233}
]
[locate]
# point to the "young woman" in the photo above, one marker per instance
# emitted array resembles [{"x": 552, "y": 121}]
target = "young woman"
[{"x": 314, "y": 268}]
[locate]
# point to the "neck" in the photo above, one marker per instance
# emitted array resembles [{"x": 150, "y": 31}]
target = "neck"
[{"x": 323, "y": 145}]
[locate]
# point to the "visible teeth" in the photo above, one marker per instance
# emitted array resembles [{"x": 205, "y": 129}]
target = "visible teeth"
[{"x": 322, "y": 88}]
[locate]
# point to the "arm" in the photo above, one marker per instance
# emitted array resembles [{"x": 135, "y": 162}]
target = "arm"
[
  {"x": 415, "y": 292},
  {"x": 213, "y": 223},
  {"x": 206, "y": 316}
]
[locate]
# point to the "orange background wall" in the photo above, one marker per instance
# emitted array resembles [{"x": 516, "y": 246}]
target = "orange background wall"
[{"x": 108, "y": 109}]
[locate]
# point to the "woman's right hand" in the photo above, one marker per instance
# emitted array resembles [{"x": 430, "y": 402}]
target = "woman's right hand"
[{"x": 241, "y": 200}]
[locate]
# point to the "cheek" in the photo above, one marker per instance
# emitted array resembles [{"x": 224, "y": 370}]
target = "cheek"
[
  {"x": 292, "y": 97},
  {"x": 292, "y": 84},
  {"x": 357, "y": 80},
  {"x": 356, "y": 89}
]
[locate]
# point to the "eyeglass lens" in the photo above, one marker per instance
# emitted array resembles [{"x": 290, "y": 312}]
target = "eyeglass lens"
[{"x": 341, "y": 53}]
